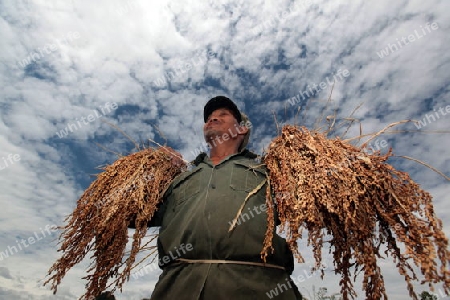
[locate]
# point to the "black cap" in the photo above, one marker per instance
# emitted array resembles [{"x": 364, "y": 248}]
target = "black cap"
[{"x": 221, "y": 102}]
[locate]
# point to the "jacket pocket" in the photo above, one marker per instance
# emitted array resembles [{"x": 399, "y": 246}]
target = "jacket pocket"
[
  {"x": 186, "y": 188},
  {"x": 245, "y": 177}
]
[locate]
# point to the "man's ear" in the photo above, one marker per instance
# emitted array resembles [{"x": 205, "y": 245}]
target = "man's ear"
[{"x": 242, "y": 129}]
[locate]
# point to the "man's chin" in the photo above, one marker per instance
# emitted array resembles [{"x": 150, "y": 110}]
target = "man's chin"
[{"x": 211, "y": 134}]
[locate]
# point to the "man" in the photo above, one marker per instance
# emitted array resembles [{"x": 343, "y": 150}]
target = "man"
[{"x": 197, "y": 211}]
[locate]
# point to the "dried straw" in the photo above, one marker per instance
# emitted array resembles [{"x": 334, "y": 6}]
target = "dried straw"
[
  {"x": 128, "y": 191},
  {"x": 332, "y": 188},
  {"x": 326, "y": 186}
]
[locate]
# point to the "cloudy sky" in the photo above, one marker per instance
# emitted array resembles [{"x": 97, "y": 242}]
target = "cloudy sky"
[{"x": 67, "y": 65}]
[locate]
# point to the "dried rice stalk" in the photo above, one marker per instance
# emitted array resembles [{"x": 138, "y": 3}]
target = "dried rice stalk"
[
  {"x": 330, "y": 187},
  {"x": 127, "y": 190}
]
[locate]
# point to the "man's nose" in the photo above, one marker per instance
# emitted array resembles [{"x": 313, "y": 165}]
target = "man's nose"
[{"x": 213, "y": 119}]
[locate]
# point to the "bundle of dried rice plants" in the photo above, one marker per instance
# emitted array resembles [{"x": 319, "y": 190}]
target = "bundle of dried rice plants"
[
  {"x": 127, "y": 191},
  {"x": 330, "y": 187}
]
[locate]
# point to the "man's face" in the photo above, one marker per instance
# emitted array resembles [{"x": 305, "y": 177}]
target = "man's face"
[{"x": 221, "y": 122}]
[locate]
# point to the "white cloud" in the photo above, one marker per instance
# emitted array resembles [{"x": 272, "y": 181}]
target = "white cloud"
[{"x": 263, "y": 54}]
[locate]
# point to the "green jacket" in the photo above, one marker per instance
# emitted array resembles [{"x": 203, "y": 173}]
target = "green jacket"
[{"x": 195, "y": 216}]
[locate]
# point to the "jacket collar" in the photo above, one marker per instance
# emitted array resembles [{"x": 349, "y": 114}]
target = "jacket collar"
[{"x": 203, "y": 157}]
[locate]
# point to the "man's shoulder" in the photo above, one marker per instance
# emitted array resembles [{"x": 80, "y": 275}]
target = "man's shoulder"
[{"x": 251, "y": 161}]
